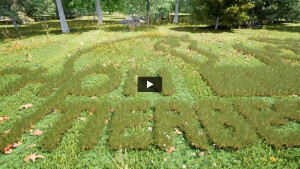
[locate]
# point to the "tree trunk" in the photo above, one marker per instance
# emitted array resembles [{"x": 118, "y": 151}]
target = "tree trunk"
[
  {"x": 99, "y": 11},
  {"x": 23, "y": 21},
  {"x": 94, "y": 16},
  {"x": 148, "y": 13},
  {"x": 217, "y": 23},
  {"x": 62, "y": 17},
  {"x": 176, "y": 12},
  {"x": 158, "y": 17},
  {"x": 14, "y": 22}
]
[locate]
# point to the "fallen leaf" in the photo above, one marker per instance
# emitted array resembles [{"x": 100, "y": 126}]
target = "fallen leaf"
[
  {"x": 26, "y": 106},
  {"x": 264, "y": 159},
  {"x": 177, "y": 131},
  {"x": 106, "y": 121},
  {"x": 81, "y": 118},
  {"x": 15, "y": 145},
  {"x": 33, "y": 145},
  {"x": 32, "y": 157},
  {"x": 94, "y": 97},
  {"x": 171, "y": 149},
  {"x": 116, "y": 65},
  {"x": 37, "y": 133},
  {"x": 272, "y": 159},
  {"x": 91, "y": 112},
  {"x": 201, "y": 154},
  {"x": 9, "y": 151},
  {"x": 4, "y": 118}
]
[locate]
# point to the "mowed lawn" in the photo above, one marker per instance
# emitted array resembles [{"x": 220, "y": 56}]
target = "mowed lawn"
[{"x": 41, "y": 45}]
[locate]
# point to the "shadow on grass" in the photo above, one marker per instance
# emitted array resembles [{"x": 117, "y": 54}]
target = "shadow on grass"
[
  {"x": 49, "y": 27},
  {"x": 125, "y": 28},
  {"x": 210, "y": 29},
  {"x": 284, "y": 28}
]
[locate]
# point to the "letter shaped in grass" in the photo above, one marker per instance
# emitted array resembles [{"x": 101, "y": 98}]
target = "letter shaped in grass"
[
  {"x": 130, "y": 116},
  {"x": 265, "y": 120},
  {"x": 71, "y": 110},
  {"x": 26, "y": 77},
  {"x": 289, "y": 108},
  {"x": 216, "y": 116},
  {"x": 169, "y": 115},
  {"x": 67, "y": 82}
]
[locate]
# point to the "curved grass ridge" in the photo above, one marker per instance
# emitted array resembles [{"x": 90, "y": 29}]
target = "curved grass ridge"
[
  {"x": 57, "y": 86},
  {"x": 278, "y": 78}
]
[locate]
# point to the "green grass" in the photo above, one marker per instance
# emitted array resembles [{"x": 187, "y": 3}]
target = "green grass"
[{"x": 124, "y": 50}]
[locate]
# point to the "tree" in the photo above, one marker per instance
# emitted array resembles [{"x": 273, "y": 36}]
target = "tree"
[
  {"x": 9, "y": 8},
  {"x": 227, "y": 12},
  {"x": 289, "y": 10},
  {"x": 39, "y": 8},
  {"x": 176, "y": 12},
  {"x": 99, "y": 11},
  {"x": 63, "y": 21}
]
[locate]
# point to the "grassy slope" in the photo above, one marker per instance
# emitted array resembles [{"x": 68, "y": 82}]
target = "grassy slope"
[{"x": 50, "y": 49}]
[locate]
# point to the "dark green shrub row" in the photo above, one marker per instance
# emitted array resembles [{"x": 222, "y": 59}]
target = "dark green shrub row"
[
  {"x": 130, "y": 114},
  {"x": 259, "y": 114},
  {"x": 218, "y": 115}
]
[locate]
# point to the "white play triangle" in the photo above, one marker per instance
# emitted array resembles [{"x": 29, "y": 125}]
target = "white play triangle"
[{"x": 149, "y": 84}]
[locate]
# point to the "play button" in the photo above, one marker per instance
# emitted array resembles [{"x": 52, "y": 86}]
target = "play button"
[{"x": 149, "y": 84}]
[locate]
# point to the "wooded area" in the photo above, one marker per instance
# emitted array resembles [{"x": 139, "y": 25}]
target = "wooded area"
[{"x": 216, "y": 12}]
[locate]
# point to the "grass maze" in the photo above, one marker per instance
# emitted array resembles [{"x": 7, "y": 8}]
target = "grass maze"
[{"x": 206, "y": 122}]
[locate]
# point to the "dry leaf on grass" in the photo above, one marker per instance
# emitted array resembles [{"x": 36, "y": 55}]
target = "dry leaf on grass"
[
  {"x": 8, "y": 149},
  {"x": 33, "y": 145},
  {"x": 94, "y": 97},
  {"x": 37, "y": 133},
  {"x": 171, "y": 149},
  {"x": 177, "y": 131},
  {"x": 81, "y": 118},
  {"x": 4, "y": 118},
  {"x": 91, "y": 112},
  {"x": 26, "y": 106},
  {"x": 15, "y": 145},
  {"x": 201, "y": 154},
  {"x": 32, "y": 157}
]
